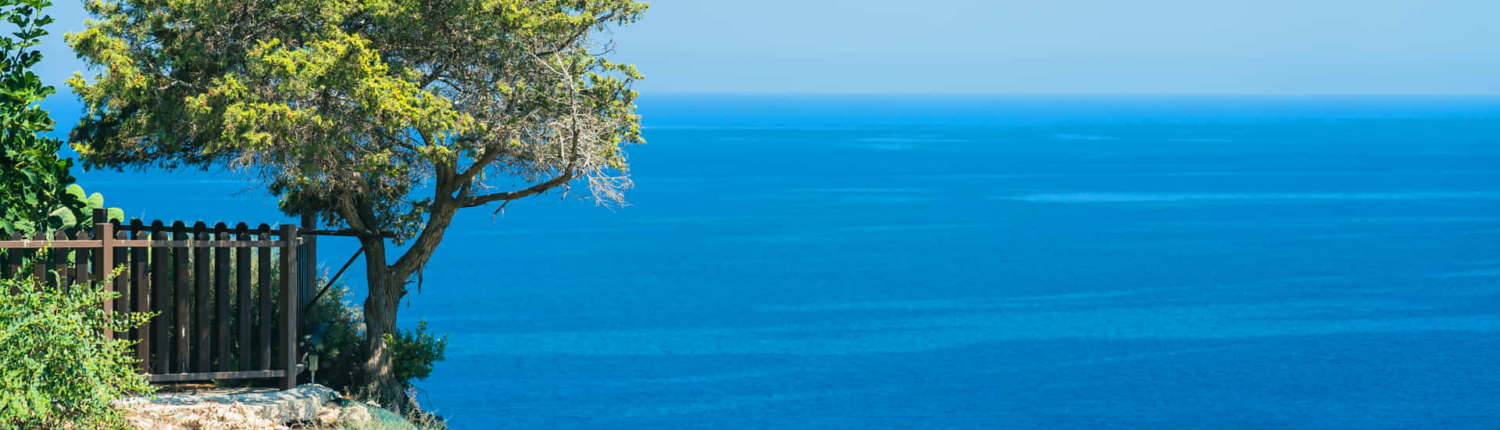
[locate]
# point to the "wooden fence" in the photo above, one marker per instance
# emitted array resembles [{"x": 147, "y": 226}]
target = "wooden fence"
[{"x": 218, "y": 315}]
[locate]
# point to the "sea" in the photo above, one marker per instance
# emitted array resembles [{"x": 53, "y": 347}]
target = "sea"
[{"x": 971, "y": 262}]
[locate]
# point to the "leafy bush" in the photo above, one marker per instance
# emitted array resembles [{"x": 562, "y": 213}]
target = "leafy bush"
[
  {"x": 341, "y": 350},
  {"x": 56, "y": 368},
  {"x": 414, "y": 352}
]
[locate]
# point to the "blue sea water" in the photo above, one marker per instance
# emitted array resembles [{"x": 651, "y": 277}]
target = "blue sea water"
[{"x": 874, "y": 262}]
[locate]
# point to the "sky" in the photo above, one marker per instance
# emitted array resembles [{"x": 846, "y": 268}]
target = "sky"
[{"x": 1258, "y": 47}]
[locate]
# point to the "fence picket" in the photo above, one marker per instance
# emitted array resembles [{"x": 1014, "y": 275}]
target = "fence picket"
[
  {"x": 15, "y": 256},
  {"x": 203, "y": 315},
  {"x": 140, "y": 278},
  {"x": 102, "y": 262},
  {"x": 242, "y": 287},
  {"x": 60, "y": 262},
  {"x": 181, "y": 297},
  {"x": 120, "y": 259},
  {"x": 221, "y": 300},
  {"x": 81, "y": 261},
  {"x": 161, "y": 286}
]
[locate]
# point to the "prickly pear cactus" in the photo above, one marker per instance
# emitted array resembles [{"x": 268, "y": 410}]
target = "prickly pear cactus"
[
  {"x": 76, "y": 210},
  {"x": 73, "y": 212}
]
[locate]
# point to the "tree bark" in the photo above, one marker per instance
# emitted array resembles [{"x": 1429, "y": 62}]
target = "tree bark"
[
  {"x": 385, "y": 291},
  {"x": 387, "y": 287}
]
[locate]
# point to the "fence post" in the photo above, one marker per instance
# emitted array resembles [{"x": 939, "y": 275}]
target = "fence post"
[
  {"x": 104, "y": 260},
  {"x": 309, "y": 254},
  {"x": 290, "y": 295}
]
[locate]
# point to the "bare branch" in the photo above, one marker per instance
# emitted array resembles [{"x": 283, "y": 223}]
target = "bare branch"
[
  {"x": 584, "y": 30},
  {"x": 477, "y": 201},
  {"x": 566, "y": 176}
]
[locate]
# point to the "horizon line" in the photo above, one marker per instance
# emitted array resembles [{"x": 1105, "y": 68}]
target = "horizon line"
[{"x": 1056, "y": 94}]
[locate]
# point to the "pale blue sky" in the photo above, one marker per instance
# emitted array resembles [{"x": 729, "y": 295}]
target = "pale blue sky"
[{"x": 1047, "y": 46}]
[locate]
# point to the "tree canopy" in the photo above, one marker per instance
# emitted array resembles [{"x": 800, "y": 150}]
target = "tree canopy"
[
  {"x": 376, "y": 115},
  {"x": 348, "y": 108}
]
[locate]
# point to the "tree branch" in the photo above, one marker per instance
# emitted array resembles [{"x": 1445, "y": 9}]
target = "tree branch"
[
  {"x": 421, "y": 249},
  {"x": 477, "y": 166},
  {"x": 437, "y": 72},
  {"x": 575, "y": 36},
  {"x": 566, "y": 176}
]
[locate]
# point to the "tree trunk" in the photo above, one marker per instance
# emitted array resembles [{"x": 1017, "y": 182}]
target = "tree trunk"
[{"x": 386, "y": 289}]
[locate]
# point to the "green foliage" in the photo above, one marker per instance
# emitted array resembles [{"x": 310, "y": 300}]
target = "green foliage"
[
  {"x": 358, "y": 110},
  {"x": 342, "y": 351},
  {"x": 387, "y": 420},
  {"x": 56, "y": 368},
  {"x": 381, "y": 419},
  {"x": 75, "y": 211},
  {"x": 37, "y": 192},
  {"x": 32, "y": 177},
  {"x": 415, "y": 352}
]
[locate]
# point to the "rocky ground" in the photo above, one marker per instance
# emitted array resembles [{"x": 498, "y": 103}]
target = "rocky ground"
[{"x": 307, "y": 406}]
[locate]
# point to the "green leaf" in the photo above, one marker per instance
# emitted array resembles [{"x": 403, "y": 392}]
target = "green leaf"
[
  {"x": 24, "y": 226},
  {"x": 76, "y": 196},
  {"x": 64, "y": 218}
]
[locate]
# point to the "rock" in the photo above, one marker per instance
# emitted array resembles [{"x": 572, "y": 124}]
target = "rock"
[
  {"x": 353, "y": 414},
  {"x": 202, "y": 417},
  {"x": 329, "y": 414},
  {"x": 357, "y": 415},
  {"x": 228, "y": 411}
]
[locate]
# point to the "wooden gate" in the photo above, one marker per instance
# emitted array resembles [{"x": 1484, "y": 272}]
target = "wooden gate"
[{"x": 219, "y": 315}]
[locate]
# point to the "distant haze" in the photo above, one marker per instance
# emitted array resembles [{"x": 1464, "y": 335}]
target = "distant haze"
[{"x": 1045, "y": 47}]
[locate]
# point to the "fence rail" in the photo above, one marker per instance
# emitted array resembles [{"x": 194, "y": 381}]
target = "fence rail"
[{"x": 219, "y": 316}]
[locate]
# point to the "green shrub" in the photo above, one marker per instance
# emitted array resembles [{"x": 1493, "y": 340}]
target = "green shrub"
[
  {"x": 56, "y": 368},
  {"x": 414, "y": 352},
  {"x": 341, "y": 351}
]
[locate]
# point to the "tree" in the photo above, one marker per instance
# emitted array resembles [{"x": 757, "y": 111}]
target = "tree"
[
  {"x": 32, "y": 177},
  {"x": 37, "y": 192},
  {"x": 376, "y": 115}
]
